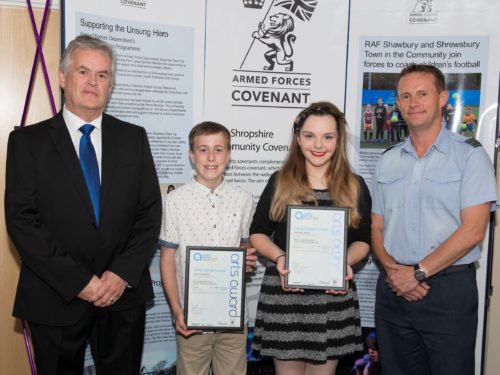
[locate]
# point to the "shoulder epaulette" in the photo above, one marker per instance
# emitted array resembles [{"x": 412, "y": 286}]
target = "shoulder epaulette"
[
  {"x": 391, "y": 147},
  {"x": 473, "y": 142}
]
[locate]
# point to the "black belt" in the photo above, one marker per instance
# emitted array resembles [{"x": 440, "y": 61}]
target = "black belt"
[{"x": 457, "y": 268}]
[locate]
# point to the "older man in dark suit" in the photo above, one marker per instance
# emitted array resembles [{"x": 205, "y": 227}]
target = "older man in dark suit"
[{"x": 83, "y": 209}]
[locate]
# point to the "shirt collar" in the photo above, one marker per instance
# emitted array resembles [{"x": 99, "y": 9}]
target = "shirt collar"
[
  {"x": 73, "y": 122},
  {"x": 408, "y": 147},
  {"x": 205, "y": 191},
  {"x": 441, "y": 143},
  {"x": 443, "y": 140}
]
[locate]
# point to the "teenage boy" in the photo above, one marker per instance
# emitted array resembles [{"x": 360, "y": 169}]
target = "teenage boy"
[{"x": 205, "y": 212}]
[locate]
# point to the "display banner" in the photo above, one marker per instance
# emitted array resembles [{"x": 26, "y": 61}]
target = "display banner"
[
  {"x": 264, "y": 63},
  {"x": 459, "y": 37},
  {"x": 159, "y": 85}
]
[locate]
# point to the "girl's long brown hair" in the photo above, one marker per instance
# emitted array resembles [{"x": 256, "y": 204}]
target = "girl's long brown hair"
[{"x": 292, "y": 184}]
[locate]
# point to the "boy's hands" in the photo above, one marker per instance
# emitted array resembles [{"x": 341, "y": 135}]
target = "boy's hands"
[
  {"x": 180, "y": 326},
  {"x": 251, "y": 259}
]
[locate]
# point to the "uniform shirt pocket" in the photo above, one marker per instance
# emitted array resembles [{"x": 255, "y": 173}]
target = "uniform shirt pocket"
[
  {"x": 441, "y": 189},
  {"x": 392, "y": 186}
]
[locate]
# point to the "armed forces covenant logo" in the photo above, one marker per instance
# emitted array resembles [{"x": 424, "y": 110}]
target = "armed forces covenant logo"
[
  {"x": 267, "y": 75},
  {"x": 142, "y": 4},
  {"x": 423, "y": 12},
  {"x": 279, "y": 39}
]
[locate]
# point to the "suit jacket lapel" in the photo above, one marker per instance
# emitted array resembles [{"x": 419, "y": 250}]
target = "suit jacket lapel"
[{"x": 64, "y": 145}]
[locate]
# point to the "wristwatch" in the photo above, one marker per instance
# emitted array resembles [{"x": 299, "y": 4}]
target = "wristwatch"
[{"x": 419, "y": 273}]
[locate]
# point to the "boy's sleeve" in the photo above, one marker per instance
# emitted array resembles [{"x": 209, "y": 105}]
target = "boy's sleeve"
[
  {"x": 169, "y": 233},
  {"x": 248, "y": 208}
]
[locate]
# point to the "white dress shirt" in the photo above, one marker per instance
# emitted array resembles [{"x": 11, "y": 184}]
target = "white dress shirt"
[
  {"x": 194, "y": 215},
  {"x": 73, "y": 123}
]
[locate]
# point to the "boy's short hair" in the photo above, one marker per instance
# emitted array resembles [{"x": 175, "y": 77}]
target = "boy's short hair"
[{"x": 208, "y": 128}]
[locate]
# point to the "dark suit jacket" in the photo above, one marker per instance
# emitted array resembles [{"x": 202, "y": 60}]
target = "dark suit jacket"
[{"x": 51, "y": 223}]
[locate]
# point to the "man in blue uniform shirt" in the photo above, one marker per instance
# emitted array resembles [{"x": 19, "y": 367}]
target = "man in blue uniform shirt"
[{"x": 432, "y": 197}]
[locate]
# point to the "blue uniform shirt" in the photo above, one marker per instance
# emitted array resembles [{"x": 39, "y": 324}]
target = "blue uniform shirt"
[{"x": 421, "y": 198}]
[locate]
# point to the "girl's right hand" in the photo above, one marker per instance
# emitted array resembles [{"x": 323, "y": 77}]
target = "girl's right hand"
[{"x": 280, "y": 266}]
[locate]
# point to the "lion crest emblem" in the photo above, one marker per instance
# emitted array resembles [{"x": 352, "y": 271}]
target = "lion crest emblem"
[
  {"x": 424, "y": 5},
  {"x": 279, "y": 38}
]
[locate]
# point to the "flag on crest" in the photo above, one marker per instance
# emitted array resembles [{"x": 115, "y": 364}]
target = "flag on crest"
[{"x": 303, "y": 9}]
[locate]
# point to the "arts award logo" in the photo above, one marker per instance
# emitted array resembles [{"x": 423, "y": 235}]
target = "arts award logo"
[
  {"x": 268, "y": 75},
  {"x": 423, "y": 12}
]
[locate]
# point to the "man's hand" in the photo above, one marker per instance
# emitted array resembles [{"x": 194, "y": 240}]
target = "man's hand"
[
  {"x": 418, "y": 293},
  {"x": 400, "y": 278},
  {"x": 112, "y": 288},
  {"x": 92, "y": 291}
]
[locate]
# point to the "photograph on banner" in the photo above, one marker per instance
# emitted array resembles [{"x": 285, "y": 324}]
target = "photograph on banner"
[
  {"x": 464, "y": 63},
  {"x": 382, "y": 124}
]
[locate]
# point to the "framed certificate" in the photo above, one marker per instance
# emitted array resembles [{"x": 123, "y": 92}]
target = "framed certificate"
[
  {"x": 215, "y": 288},
  {"x": 316, "y": 250}
]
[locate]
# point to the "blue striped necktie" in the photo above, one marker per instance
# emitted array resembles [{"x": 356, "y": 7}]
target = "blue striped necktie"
[{"x": 90, "y": 168}]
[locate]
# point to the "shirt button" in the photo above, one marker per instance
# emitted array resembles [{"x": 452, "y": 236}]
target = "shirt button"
[
  {"x": 213, "y": 205},
  {"x": 215, "y": 226}
]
